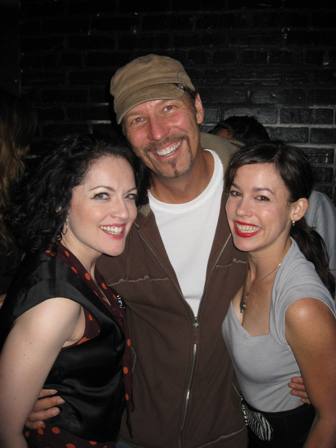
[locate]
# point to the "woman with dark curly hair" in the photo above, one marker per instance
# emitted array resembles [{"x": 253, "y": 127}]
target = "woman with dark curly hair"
[
  {"x": 61, "y": 327},
  {"x": 282, "y": 321}
]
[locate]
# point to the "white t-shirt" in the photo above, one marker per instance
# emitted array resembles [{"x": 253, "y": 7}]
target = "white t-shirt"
[{"x": 187, "y": 231}]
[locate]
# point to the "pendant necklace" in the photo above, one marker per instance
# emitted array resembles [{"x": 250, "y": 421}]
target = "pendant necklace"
[{"x": 245, "y": 294}]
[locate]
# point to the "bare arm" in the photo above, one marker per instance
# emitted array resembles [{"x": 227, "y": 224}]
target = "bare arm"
[
  {"x": 311, "y": 333},
  {"x": 27, "y": 356}
]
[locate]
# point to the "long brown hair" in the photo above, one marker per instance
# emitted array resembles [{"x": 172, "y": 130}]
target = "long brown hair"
[{"x": 18, "y": 124}]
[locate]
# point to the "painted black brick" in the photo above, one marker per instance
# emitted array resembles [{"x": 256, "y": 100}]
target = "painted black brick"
[
  {"x": 306, "y": 116},
  {"x": 325, "y": 135},
  {"x": 290, "y": 134},
  {"x": 50, "y": 114},
  {"x": 323, "y": 174},
  {"x": 279, "y": 96},
  {"x": 253, "y": 57},
  {"x": 275, "y": 59},
  {"x": 323, "y": 96},
  {"x": 89, "y": 7},
  {"x": 88, "y": 113},
  {"x": 55, "y": 130},
  {"x": 321, "y": 156}
]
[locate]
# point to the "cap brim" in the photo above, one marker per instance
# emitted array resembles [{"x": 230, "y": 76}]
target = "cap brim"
[{"x": 157, "y": 92}]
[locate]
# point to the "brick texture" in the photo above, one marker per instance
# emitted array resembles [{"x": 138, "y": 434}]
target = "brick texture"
[{"x": 273, "y": 59}]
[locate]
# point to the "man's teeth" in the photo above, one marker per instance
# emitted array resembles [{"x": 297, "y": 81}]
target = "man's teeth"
[
  {"x": 114, "y": 230},
  {"x": 168, "y": 150},
  {"x": 246, "y": 228}
]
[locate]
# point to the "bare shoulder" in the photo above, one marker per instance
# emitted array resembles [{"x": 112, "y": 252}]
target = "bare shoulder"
[
  {"x": 308, "y": 308},
  {"x": 309, "y": 319},
  {"x": 53, "y": 313}
]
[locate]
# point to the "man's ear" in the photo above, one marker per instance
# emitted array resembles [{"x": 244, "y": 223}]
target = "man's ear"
[
  {"x": 199, "y": 109},
  {"x": 298, "y": 209}
]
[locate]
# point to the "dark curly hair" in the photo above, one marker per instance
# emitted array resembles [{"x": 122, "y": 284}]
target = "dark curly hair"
[
  {"x": 296, "y": 172},
  {"x": 41, "y": 199}
]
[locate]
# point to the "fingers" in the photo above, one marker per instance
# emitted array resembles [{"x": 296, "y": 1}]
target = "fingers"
[
  {"x": 302, "y": 395},
  {"x": 35, "y": 419},
  {"x": 47, "y": 393},
  {"x": 298, "y": 389},
  {"x": 45, "y": 404},
  {"x": 43, "y": 409},
  {"x": 297, "y": 380},
  {"x": 296, "y": 384}
]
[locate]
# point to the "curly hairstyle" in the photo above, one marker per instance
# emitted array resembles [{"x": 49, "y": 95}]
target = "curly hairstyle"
[
  {"x": 296, "y": 172},
  {"x": 18, "y": 125},
  {"x": 41, "y": 199}
]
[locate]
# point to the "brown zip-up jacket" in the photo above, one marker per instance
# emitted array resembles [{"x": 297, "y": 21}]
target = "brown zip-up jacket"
[{"x": 183, "y": 392}]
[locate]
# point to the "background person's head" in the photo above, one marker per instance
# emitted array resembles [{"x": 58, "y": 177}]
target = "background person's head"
[
  {"x": 244, "y": 129},
  {"x": 160, "y": 112},
  {"x": 43, "y": 196}
]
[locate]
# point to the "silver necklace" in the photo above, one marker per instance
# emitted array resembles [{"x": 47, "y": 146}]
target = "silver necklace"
[{"x": 245, "y": 294}]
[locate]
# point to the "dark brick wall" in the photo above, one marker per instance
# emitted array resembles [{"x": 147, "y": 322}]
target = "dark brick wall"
[
  {"x": 273, "y": 59},
  {"x": 9, "y": 45}
]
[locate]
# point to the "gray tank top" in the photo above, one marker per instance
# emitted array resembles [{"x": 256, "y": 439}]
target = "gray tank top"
[{"x": 264, "y": 364}]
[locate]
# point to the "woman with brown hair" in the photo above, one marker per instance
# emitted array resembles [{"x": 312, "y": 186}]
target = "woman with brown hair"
[{"x": 18, "y": 125}]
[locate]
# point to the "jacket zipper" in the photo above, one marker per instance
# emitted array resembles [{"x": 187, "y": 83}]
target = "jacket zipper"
[
  {"x": 195, "y": 324},
  {"x": 194, "y": 353},
  {"x": 193, "y": 362}
]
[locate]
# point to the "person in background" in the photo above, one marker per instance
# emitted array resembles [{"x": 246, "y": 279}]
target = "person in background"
[
  {"x": 18, "y": 126},
  {"x": 275, "y": 321},
  {"x": 241, "y": 130},
  {"x": 179, "y": 270},
  {"x": 321, "y": 214},
  {"x": 61, "y": 326}
]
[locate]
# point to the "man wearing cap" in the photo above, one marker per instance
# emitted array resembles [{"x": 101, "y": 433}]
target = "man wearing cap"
[{"x": 179, "y": 270}]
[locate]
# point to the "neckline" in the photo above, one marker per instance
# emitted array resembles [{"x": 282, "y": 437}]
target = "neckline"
[{"x": 216, "y": 178}]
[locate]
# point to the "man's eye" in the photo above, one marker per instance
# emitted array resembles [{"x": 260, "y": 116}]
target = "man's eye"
[
  {"x": 137, "y": 120},
  {"x": 168, "y": 107}
]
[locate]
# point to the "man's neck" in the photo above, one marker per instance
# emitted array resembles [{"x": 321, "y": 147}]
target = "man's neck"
[{"x": 186, "y": 187}]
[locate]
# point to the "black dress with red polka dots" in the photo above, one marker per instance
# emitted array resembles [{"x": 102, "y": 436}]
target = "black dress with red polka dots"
[{"x": 93, "y": 375}]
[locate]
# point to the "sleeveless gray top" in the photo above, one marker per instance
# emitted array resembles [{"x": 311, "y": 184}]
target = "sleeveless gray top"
[{"x": 264, "y": 364}]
